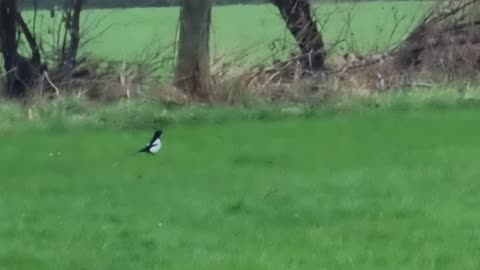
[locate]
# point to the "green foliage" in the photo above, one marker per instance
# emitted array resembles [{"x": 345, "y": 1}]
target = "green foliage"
[{"x": 391, "y": 190}]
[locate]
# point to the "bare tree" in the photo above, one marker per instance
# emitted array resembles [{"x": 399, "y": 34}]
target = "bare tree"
[
  {"x": 23, "y": 72},
  {"x": 298, "y": 17},
  {"x": 72, "y": 28},
  {"x": 192, "y": 72},
  {"x": 8, "y": 38}
]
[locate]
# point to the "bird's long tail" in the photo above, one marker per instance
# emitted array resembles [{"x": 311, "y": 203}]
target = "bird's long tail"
[{"x": 143, "y": 150}]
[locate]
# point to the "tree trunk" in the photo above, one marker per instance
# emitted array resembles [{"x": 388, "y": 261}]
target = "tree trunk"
[
  {"x": 192, "y": 73},
  {"x": 73, "y": 28},
  {"x": 297, "y": 15},
  {"x": 8, "y": 37},
  {"x": 21, "y": 71},
  {"x": 32, "y": 42}
]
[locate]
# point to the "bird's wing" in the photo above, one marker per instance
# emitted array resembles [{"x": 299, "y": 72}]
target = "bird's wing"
[
  {"x": 152, "y": 141},
  {"x": 155, "y": 143}
]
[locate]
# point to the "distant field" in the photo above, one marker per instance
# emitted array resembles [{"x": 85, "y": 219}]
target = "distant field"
[
  {"x": 244, "y": 27},
  {"x": 367, "y": 191}
]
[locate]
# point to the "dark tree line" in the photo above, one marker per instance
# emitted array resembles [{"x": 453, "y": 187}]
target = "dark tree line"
[{"x": 47, "y": 4}]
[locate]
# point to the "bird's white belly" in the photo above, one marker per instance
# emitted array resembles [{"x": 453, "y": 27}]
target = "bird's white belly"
[{"x": 156, "y": 146}]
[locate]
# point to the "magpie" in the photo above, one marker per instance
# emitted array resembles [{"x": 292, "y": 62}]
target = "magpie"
[{"x": 154, "y": 145}]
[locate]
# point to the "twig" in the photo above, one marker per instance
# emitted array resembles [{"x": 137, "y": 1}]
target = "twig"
[
  {"x": 5, "y": 74},
  {"x": 175, "y": 43},
  {"x": 395, "y": 27},
  {"x": 57, "y": 91}
]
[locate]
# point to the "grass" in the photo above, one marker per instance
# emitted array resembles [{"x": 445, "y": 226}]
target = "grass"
[
  {"x": 339, "y": 186},
  {"x": 154, "y": 28},
  {"x": 390, "y": 190},
  {"x": 70, "y": 113}
]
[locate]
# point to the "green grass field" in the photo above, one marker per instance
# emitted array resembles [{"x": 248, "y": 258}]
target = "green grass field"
[
  {"x": 241, "y": 29},
  {"x": 390, "y": 190}
]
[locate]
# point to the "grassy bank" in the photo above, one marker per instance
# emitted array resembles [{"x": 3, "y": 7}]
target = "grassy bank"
[{"x": 75, "y": 113}]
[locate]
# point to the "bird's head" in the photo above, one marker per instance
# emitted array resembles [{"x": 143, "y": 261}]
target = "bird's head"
[{"x": 158, "y": 133}]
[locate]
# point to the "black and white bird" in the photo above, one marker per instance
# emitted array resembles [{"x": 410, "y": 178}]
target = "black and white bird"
[{"x": 154, "y": 145}]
